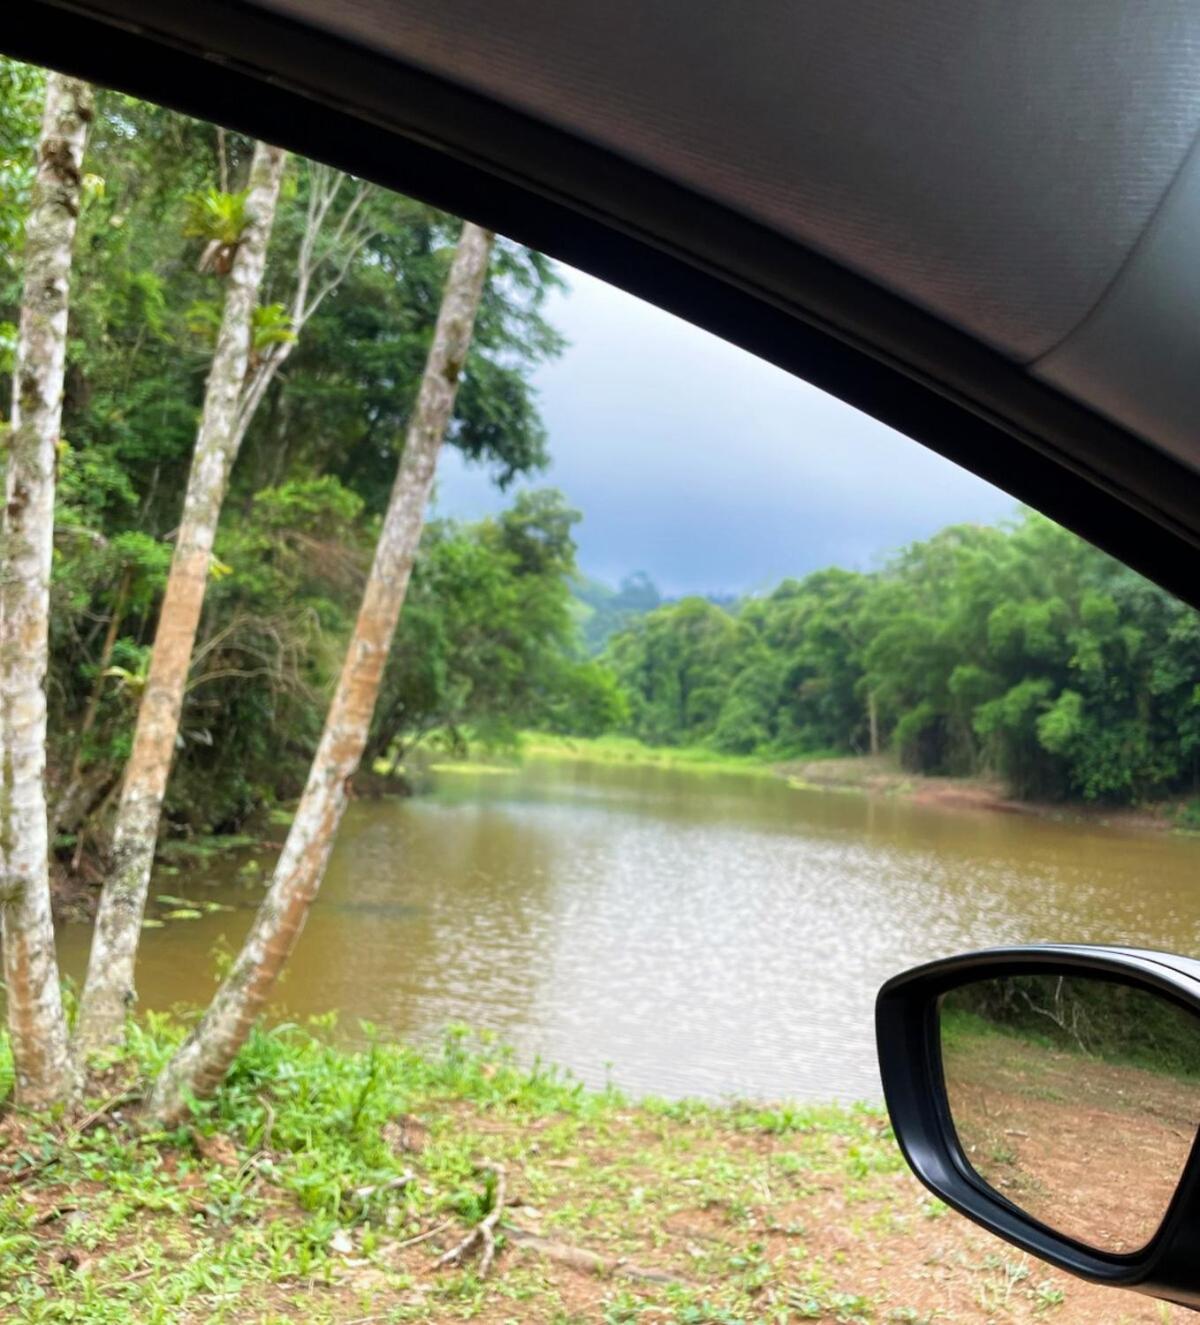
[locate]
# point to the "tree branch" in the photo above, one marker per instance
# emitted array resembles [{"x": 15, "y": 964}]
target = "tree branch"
[{"x": 484, "y": 1233}]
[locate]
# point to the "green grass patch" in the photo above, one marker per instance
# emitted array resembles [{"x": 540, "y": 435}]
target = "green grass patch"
[
  {"x": 626, "y": 750},
  {"x": 324, "y": 1184}
]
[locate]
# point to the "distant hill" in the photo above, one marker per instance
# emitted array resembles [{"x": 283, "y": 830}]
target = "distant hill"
[{"x": 602, "y": 610}]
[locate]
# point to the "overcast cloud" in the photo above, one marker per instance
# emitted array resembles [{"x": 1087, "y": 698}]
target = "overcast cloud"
[{"x": 709, "y": 469}]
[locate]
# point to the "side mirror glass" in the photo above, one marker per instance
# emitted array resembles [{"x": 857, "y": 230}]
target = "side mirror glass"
[{"x": 1075, "y": 1097}]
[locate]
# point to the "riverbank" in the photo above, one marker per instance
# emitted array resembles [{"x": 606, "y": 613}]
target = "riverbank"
[
  {"x": 335, "y": 1187},
  {"x": 870, "y": 775},
  {"x": 879, "y": 775}
]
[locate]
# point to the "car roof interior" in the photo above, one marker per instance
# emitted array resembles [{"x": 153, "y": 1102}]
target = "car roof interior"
[{"x": 977, "y": 222}]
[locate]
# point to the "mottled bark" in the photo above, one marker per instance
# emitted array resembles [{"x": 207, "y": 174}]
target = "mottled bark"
[
  {"x": 109, "y": 988},
  {"x": 204, "y": 1058},
  {"x": 37, "y": 1027}
]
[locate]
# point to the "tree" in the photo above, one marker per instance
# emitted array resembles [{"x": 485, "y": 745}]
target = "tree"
[
  {"x": 330, "y": 239},
  {"x": 109, "y": 987},
  {"x": 288, "y": 563},
  {"x": 1018, "y": 650},
  {"x": 205, "y": 1056},
  {"x": 677, "y": 663},
  {"x": 37, "y": 1027},
  {"x": 487, "y": 644}
]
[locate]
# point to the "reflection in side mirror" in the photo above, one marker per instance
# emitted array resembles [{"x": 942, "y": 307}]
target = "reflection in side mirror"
[{"x": 1075, "y": 1097}]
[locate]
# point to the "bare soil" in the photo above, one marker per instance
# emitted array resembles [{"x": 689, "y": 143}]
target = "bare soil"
[
  {"x": 1096, "y": 1149},
  {"x": 879, "y": 775}
]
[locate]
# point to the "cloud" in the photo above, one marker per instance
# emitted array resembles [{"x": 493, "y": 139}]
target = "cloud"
[{"x": 711, "y": 470}]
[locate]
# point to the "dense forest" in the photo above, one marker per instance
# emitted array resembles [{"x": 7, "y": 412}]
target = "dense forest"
[
  {"x": 1018, "y": 650},
  {"x": 602, "y": 611},
  {"x": 487, "y": 640}
]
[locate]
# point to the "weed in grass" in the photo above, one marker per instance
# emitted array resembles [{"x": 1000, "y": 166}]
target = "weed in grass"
[{"x": 1047, "y": 1295}]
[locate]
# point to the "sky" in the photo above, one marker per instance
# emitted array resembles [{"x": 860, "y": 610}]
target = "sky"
[{"x": 709, "y": 469}]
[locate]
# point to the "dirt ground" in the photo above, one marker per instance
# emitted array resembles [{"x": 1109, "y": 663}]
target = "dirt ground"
[
  {"x": 633, "y": 1217},
  {"x": 1095, "y": 1149},
  {"x": 879, "y": 775}
]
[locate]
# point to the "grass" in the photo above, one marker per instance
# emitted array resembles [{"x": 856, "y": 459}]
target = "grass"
[
  {"x": 1138, "y": 1044},
  {"x": 323, "y": 1185},
  {"x": 611, "y": 749},
  {"x": 630, "y": 751}
]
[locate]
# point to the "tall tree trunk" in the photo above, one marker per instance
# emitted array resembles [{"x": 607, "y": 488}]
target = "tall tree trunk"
[
  {"x": 873, "y": 721},
  {"x": 108, "y": 991},
  {"x": 37, "y": 1027},
  {"x": 205, "y": 1056}
]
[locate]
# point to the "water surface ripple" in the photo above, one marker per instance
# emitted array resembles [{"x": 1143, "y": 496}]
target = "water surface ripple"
[{"x": 681, "y": 934}]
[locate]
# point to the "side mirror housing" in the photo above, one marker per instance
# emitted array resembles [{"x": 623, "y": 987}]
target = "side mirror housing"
[{"x": 1052, "y": 1095}]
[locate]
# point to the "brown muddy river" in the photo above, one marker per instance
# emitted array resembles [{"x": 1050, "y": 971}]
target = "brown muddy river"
[{"x": 677, "y": 933}]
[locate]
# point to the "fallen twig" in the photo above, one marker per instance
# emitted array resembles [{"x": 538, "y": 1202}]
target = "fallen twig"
[
  {"x": 22, "y": 1175},
  {"x": 98, "y": 1115},
  {"x": 262, "y": 1156},
  {"x": 424, "y": 1237},
  {"x": 484, "y": 1232}
]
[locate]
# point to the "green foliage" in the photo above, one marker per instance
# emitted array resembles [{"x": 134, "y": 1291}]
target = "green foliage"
[
  {"x": 1019, "y": 650},
  {"x": 203, "y": 320},
  {"x": 584, "y": 698},
  {"x": 311, "y": 481},
  {"x": 214, "y": 216},
  {"x": 1102, "y": 1019},
  {"x": 270, "y": 324},
  {"x": 603, "y": 611},
  {"x": 487, "y": 640},
  {"x": 21, "y": 93},
  {"x": 677, "y": 663}
]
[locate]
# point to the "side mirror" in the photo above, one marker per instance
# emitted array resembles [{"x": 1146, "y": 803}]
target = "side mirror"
[{"x": 1052, "y": 1095}]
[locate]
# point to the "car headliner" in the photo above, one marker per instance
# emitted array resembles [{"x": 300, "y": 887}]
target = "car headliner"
[{"x": 977, "y": 222}]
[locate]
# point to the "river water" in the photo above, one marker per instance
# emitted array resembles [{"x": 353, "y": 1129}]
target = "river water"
[{"x": 678, "y": 933}]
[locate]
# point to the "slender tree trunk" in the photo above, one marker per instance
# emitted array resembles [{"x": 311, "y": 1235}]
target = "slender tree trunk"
[
  {"x": 88, "y": 720},
  {"x": 873, "y": 721},
  {"x": 205, "y": 1056},
  {"x": 37, "y": 1027},
  {"x": 109, "y": 988}
]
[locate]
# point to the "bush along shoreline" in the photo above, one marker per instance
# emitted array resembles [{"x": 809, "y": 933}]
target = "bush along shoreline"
[{"x": 397, "y": 1184}]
